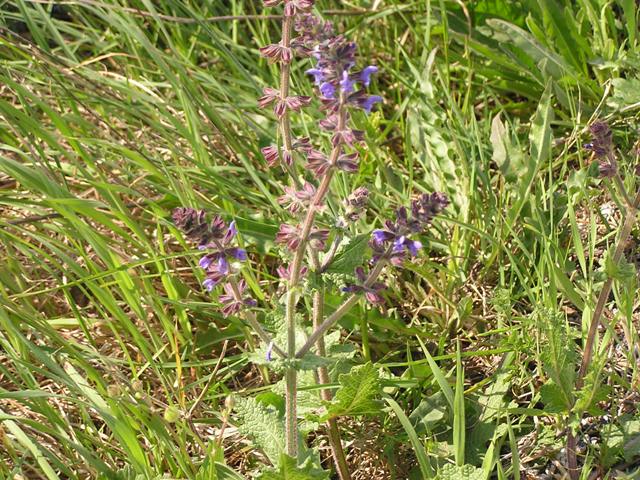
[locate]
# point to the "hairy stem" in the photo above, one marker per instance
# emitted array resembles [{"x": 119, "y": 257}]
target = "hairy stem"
[
  {"x": 291, "y": 417},
  {"x": 333, "y": 431},
  {"x": 587, "y": 356},
  {"x": 292, "y": 295}
]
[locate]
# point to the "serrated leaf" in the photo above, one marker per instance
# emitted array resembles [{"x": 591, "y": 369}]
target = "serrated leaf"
[
  {"x": 553, "y": 397},
  {"x": 263, "y": 425},
  {"x": 464, "y": 472},
  {"x": 289, "y": 470},
  {"x": 558, "y": 357},
  {"x": 593, "y": 391},
  {"x": 351, "y": 256},
  {"x": 621, "y": 439},
  {"x": 357, "y": 394}
]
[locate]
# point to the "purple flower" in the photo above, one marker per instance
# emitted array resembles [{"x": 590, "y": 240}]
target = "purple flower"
[
  {"x": 601, "y": 139},
  {"x": 288, "y": 235},
  {"x": 317, "y": 162},
  {"x": 276, "y": 53},
  {"x": 284, "y": 273},
  {"x": 368, "y": 102},
  {"x": 317, "y": 75},
  {"x": 269, "y": 351},
  {"x": 269, "y": 95},
  {"x": 216, "y": 237},
  {"x": 295, "y": 200},
  {"x": 356, "y": 203},
  {"x": 393, "y": 242},
  {"x": 365, "y": 75},
  {"x": 348, "y": 162},
  {"x": 401, "y": 243},
  {"x": 271, "y": 155},
  {"x": 346, "y": 84},
  {"x": 292, "y": 236},
  {"x": 328, "y": 90}
]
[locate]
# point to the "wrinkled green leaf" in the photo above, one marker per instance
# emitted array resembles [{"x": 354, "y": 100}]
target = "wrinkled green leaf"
[
  {"x": 464, "y": 472},
  {"x": 357, "y": 394},
  {"x": 263, "y": 425},
  {"x": 289, "y": 470}
]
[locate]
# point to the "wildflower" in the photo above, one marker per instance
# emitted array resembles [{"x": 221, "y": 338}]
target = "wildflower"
[
  {"x": 601, "y": 139},
  {"x": 291, "y": 237},
  {"x": 365, "y": 75},
  {"x": 371, "y": 293},
  {"x": 276, "y": 53},
  {"x": 284, "y": 273},
  {"x": 271, "y": 155},
  {"x": 291, "y": 7},
  {"x": 602, "y": 146},
  {"x": 348, "y": 162},
  {"x": 295, "y": 200},
  {"x": 234, "y": 300},
  {"x": 367, "y": 103},
  {"x": 317, "y": 162},
  {"x": 335, "y": 57},
  {"x": 269, "y": 95},
  {"x": 393, "y": 241},
  {"x": 216, "y": 237}
]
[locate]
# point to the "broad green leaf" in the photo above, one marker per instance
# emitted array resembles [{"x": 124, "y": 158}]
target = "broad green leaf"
[
  {"x": 289, "y": 470},
  {"x": 358, "y": 393},
  {"x": 263, "y": 425},
  {"x": 506, "y": 154},
  {"x": 351, "y": 256},
  {"x": 429, "y": 413}
]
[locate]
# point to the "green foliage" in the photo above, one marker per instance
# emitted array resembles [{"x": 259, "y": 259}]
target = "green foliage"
[
  {"x": 289, "y": 470},
  {"x": 558, "y": 356},
  {"x": 263, "y": 424},
  {"x": 462, "y": 472},
  {"x": 621, "y": 440},
  {"x": 350, "y": 256},
  {"x": 626, "y": 92},
  {"x": 358, "y": 393},
  {"x": 114, "y": 115}
]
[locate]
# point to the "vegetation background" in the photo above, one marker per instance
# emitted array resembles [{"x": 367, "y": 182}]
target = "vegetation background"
[{"x": 115, "y": 365}]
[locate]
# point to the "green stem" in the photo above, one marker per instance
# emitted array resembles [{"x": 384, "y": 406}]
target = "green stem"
[
  {"x": 364, "y": 331},
  {"x": 333, "y": 430}
]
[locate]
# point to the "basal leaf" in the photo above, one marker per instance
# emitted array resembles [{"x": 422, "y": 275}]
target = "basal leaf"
[{"x": 263, "y": 425}]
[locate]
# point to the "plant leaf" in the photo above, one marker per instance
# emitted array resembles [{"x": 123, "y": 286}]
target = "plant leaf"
[
  {"x": 357, "y": 394},
  {"x": 263, "y": 425},
  {"x": 289, "y": 470}
]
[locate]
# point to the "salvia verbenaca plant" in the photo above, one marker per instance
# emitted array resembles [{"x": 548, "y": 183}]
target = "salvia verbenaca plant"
[
  {"x": 604, "y": 153},
  {"x": 312, "y": 237}
]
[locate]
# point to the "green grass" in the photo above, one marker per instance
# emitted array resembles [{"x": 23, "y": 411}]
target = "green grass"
[{"x": 110, "y": 118}]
